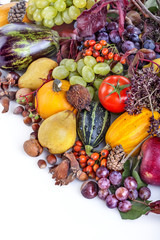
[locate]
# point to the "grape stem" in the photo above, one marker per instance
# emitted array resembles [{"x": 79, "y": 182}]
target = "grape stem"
[{"x": 141, "y": 202}]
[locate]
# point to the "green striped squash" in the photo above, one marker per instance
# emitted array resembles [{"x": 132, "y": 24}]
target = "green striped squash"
[{"x": 92, "y": 125}]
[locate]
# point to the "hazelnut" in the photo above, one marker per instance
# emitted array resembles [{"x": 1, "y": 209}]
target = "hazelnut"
[
  {"x": 24, "y": 92},
  {"x": 51, "y": 159},
  {"x": 34, "y": 135},
  {"x": 42, "y": 164},
  {"x": 82, "y": 176},
  {"x": 32, "y": 147},
  {"x": 35, "y": 127},
  {"x": 25, "y": 113},
  {"x": 18, "y": 110},
  {"x": 27, "y": 120}
]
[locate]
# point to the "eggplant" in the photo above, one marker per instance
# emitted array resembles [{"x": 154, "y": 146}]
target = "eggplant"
[{"x": 22, "y": 43}]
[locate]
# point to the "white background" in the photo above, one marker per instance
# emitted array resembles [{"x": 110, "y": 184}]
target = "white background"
[{"x": 32, "y": 207}]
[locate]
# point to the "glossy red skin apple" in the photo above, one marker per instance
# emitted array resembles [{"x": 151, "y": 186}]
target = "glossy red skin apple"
[{"x": 150, "y": 164}]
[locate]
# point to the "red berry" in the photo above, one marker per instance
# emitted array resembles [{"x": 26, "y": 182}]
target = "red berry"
[
  {"x": 106, "y": 57},
  {"x": 104, "y": 153},
  {"x": 86, "y": 43},
  {"x": 77, "y": 148},
  {"x": 82, "y": 159},
  {"x": 103, "y": 162},
  {"x": 105, "y": 51},
  {"x": 88, "y": 52},
  {"x": 82, "y": 152},
  {"x": 79, "y": 143},
  {"x": 100, "y": 59},
  {"x": 95, "y": 167},
  {"x": 116, "y": 57},
  {"x": 90, "y": 162},
  {"x": 95, "y": 156},
  {"x": 110, "y": 55},
  {"x": 98, "y": 46},
  {"x": 103, "y": 42},
  {"x": 92, "y": 42},
  {"x": 89, "y": 169},
  {"x": 96, "y": 53},
  {"x": 123, "y": 61}
]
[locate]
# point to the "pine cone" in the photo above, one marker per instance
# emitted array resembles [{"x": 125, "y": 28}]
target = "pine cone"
[
  {"x": 115, "y": 158},
  {"x": 17, "y": 12}
]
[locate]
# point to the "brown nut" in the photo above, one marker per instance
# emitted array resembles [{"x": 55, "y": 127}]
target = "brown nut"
[
  {"x": 34, "y": 135},
  {"x": 51, "y": 159},
  {"x": 82, "y": 176},
  {"x": 35, "y": 127},
  {"x": 18, "y": 110},
  {"x": 27, "y": 120},
  {"x": 42, "y": 164},
  {"x": 32, "y": 147},
  {"x": 25, "y": 113},
  {"x": 23, "y": 92}
]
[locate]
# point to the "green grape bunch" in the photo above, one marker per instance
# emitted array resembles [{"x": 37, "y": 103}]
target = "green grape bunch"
[{"x": 56, "y": 12}]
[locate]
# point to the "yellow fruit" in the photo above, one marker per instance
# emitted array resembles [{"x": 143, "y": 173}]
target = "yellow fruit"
[
  {"x": 58, "y": 132},
  {"x": 129, "y": 130},
  {"x": 156, "y": 68},
  {"x": 37, "y": 70}
]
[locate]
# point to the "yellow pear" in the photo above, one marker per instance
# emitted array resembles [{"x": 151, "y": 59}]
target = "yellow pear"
[
  {"x": 58, "y": 132},
  {"x": 37, "y": 70}
]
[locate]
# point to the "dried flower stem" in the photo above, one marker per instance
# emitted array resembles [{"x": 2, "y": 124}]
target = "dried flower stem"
[{"x": 143, "y": 9}]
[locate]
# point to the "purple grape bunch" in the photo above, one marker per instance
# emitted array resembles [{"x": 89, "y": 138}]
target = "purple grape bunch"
[{"x": 124, "y": 193}]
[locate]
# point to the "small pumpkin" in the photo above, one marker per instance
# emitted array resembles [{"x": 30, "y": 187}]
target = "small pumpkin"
[
  {"x": 51, "y": 98},
  {"x": 4, "y": 9},
  {"x": 129, "y": 130}
]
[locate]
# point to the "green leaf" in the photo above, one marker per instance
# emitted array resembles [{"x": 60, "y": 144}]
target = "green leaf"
[
  {"x": 152, "y": 5},
  {"x": 138, "y": 209},
  {"x": 135, "y": 174},
  {"x": 127, "y": 171}
]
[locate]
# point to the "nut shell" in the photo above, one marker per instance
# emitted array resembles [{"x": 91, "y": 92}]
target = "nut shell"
[
  {"x": 32, "y": 147},
  {"x": 22, "y": 92}
]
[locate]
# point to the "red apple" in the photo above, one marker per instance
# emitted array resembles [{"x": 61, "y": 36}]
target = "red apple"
[{"x": 150, "y": 164}]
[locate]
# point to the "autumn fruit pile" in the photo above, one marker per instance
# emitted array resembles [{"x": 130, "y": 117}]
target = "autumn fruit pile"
[{"x": 95, "y": 108}]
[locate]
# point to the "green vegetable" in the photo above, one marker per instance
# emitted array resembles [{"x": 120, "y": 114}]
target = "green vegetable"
[{"x": 92, "y": 125}]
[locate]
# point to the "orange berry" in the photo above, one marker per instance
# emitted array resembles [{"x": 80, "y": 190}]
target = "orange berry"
[
  {"x": 105, "y": 51},
  {"x": 110, "y": 55},
  {"x": 89, "y": 169},
  {"x": 88, "y": 52},
  {"x": 104, "y": 153},
  {"x": 122, "y": 61},
  {"x": 100, "y": 59},
  {"x": 97, "y": 178},
  {"x": 92, "y": 175},
  {"x": 90, "y": 162},
  {"x": 103, "y": 42},
  {"x": 79, "y": 143},
  {"x": 95, "y": 167},
  {"x": 90, "y": 48},
  {"x": 82, "y": 159},
  {"x": 84, "y": 169},
  {"x": 92, "y": 42},
  {"x": 95, "y": 156},
  {"x": 116, "y": 57},
  {"x": 96, "y": 53},
  {"x": 77, "y": 148},
  {"x": 86, "y": 43},
  {"x": 75, "y": 154},
  {"x": 82, "y": 152},
  {"x": 98, "y": 46},
  {"x": 103, "y": 162},
  {"x": 83, "y": 165}
]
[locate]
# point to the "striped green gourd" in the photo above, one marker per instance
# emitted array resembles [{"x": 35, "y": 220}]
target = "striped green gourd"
[
  {"x": 22, "y": 43},
  {"x": 92, "y": 125}
]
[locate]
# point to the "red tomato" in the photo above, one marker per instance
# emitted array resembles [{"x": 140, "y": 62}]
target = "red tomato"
[{"x": 112, "y": 93}]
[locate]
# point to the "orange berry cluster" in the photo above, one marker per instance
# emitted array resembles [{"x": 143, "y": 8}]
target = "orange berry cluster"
[
  {"x": 90, "y": 164},
  {"x": 101, "y": 52}
]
